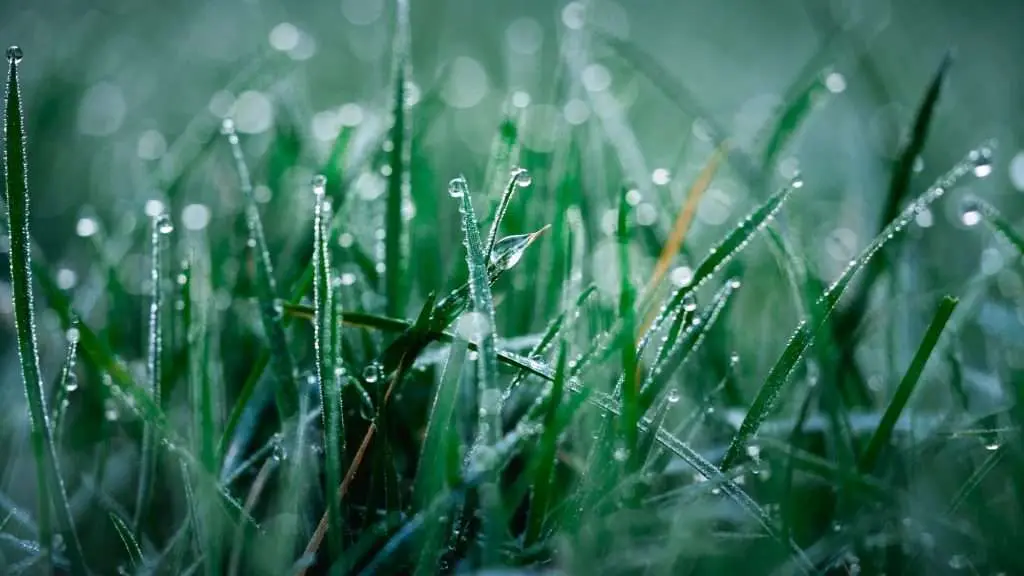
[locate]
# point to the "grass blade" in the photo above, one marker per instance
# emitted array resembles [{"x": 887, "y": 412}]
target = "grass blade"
[
  {"x": 520, "y": 178},
  {"x": 544, "y": 465},
  {"x": 67, "y": 383},
  {"x": 991, "y": 215},
  {"x": 736, "y": 241},
  {"x": 266, "y": 288},
  {"x": 805, "y": 332},
  {"x": 630, "y": 391},
  {"x": 161, "y": 228},
  {"x": 50, "y": 484},
  {"x": 899, "y": 188},
  {"x": 399, "y": 159},
  {"x": 328, "y": 381},
  {"x": 128, "y": 539},
  {"x": 880, "y": 439}
]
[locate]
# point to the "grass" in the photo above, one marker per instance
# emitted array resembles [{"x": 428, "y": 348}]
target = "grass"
[{"x": 549, "y": 407}]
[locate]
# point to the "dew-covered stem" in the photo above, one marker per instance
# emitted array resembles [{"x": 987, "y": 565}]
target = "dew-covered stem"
[
  {"x": 48, "y": 479},
  {"x": 399, "y": 158}
]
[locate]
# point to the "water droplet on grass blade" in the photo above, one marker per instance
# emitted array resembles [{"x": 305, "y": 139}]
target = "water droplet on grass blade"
[
  {"x": 457, "y": 187},
  {"x": 164, "y": 224},
  {"x": 372, "y": 373},
  {"x": 14, "y": 54},
  {"x": 319, "y": 184},
  {"x": 673, "y": 396},
  {"x": 523, "y": 177},
  {"x": 982, "y": 160},
  {"x": 970, "y": 212}
]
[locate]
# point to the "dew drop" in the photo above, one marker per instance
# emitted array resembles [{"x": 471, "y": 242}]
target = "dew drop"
[
  {"x": 14, "y": 54},
  {"x": 457, "y": 187},
  {"x": 673, "y": 396},
  {"x": 164, "y": 224},
  {"x": 72, "y": 383},
  {"x": 280, "y": 453},
  {"x": 620, "y": 454},
  {"x": 970, "y": 214},
  {"x": 227, "y": 127},
  {"x": 371, "y": 374},
  {"x": 689, "y": 302},
  {"x": 319, "y": 184},
  {"x": 523, "y": 177},
  {"x": 992, "y": 446},
  {"x": 982, "y": 160},
  {"x": 797, "y": 181}
]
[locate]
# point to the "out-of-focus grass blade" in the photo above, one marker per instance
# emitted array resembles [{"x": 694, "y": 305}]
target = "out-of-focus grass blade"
[
  {"x": 806, "y": 331},
  {"x": 159, "y": 251},
  {"x": 991, "y": 215},
  {"x": 791, "y": 119},
  {"x": 50, "y": 484},
  {"x": 899, "y": 188},
  {"x": 880, "y": 439},
  {"x": 725, "y": 250},
  {"x": 431, "y": 472},
  {"x": 266, "y": 288},
  {"x": 544, "y": 461},
  {"x": 128, "y": 539},
  {"x": 324, "y": 334},
  {"x": 399, "y": 159},
  {"x": 975, "y": 479},
  {"x": 630, "y": 391}
]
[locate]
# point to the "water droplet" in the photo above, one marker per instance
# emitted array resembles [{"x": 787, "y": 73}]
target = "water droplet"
[
  {"x": 280, "y": 453},
  {"x": 319, "y": 184},
  {"x": 164, "y": 224},
  {"x": 457, "y": 187},
  {"x": 71, "y": 384},
  {"x": 716, "y": 490},
  {"x": 523, "y": 177},
  {"x": 509, "y": 250},
  {"x": 673, "y": 396},
  {"x": 982, "y": 160},
  {"x": 970, "y": 213},
  {"x": 735, "y": 283},
  {"x": 734, "y": 358},
  {"x": 14, "y": 54},
  {"x": 797, "y": 181},
  {"x": 992, "y": 446},
  {"x": 689, "y": 302},
  {"x": 372, "y": 373},
  {"x": 620, "y": 454}
]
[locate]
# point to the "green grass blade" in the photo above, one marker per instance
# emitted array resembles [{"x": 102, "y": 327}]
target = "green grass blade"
[
  {"x": 324, "y": 334},
  {"x": 630, "y": 390},
  {"x": 520, "y": 178},
  {"x": 161, "y": 229},
  {"x": 266, "y": 288},
  {"x": 479, "y": 324},
  {"x": 899, "y": 188},
  {"x": 439, "y": 440},
  {"x": 400, "y": 156},
  {"x": 50, "y": 484},
  {"x": 792, "y": 118},
  {"x": 544, "y": 463},
  {"x": 880, "y": 439},
  {"x": 66, "y": 384},
  {"x": 724, "y": 251},
  {"x": 767, "y": 396},
  {"x": 972, "y": 483},
  {"x": 991, "y": 215},
  {"x": 128, "y": 539}
]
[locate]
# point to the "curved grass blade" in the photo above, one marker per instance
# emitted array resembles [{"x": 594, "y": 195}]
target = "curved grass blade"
[
  {"x": 880, "y": 439},
  {"x": 805, "y": 332},
  {"x": 161, "y": 228},
  {"x": 128, "y": 539},
  {"x": 519, "y": 178},
  {"x": 266, "y": 289},
  {"x": 328, "y": 381},
  {"x": 17, "y": 200},
  {"x": 719, "y": 255},
  {"x": 399, "y": 159}
]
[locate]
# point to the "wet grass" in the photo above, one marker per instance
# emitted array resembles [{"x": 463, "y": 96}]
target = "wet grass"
[{"x": 347, "y": 405}]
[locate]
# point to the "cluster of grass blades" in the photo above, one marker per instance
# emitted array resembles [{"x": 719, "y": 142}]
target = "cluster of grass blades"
[{"x": 306, "y": 425}]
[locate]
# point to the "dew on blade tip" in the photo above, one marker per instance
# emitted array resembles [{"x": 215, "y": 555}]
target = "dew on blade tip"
[
  {"x": 319, "y": 184},
  {"x": 970, "y": 212},
  {"x": 164, "y": 224},
  {"x": 982, "y": 161},
  {"x": 14, "y": 54},
  {"x": 457, "y": 187},
  {"x": 797, "y": 181},
  {"x": 522, "y": 177},
  {"x": 227, "y": 127}
]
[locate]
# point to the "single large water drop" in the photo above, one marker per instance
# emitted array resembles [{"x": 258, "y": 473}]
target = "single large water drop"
[
  {"x": 982, "y": 160},
  {"x": 14, "y": 54},
  {"x": 319, "y": 184},
  {"x": 970, "y": 213},
  {"x": 522, "y": 177},
  {"x": 164, "y": 224},
  {"x": 227, "y": 126},
  {"x": 509, "y": 250},
  {"x": 457, "y": 187}
]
